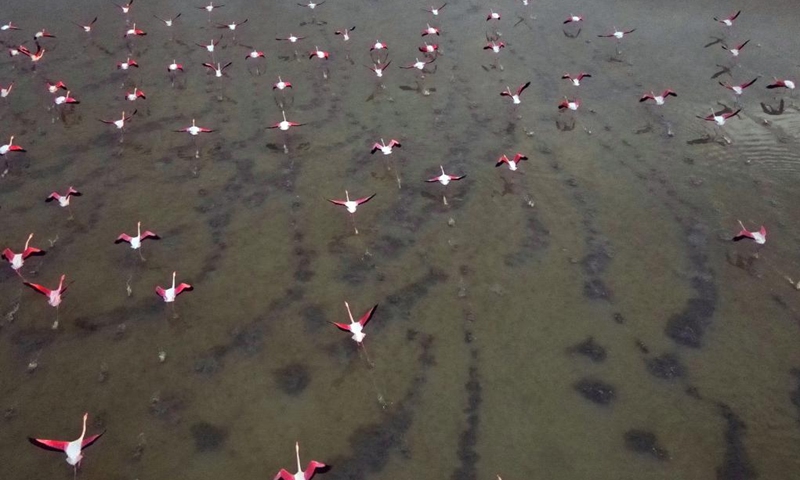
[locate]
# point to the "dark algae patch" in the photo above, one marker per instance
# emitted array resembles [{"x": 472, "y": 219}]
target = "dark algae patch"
[
  {"x": 292, "y": 379},
  {"x": 667, "y": 366},
  {"x": 596, "y": 391},
  {"x": 208, "y": 437},
  {"x": 645, "y": 443},
  {"x": 589, "y": 349},
  {"x": 736, "y": 464}
]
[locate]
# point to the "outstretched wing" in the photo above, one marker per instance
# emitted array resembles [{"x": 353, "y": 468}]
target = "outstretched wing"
[
  {"x": 367, "y": 316},
  {"x": 54, "y": 445}
]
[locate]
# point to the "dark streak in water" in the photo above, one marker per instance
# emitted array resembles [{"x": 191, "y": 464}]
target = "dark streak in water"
[
  {"x": 736, "y": 464},
  {"x": 372, "y": 444}
]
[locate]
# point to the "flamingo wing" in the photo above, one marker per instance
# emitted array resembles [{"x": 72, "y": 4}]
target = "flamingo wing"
[
  {"x": 342, "y": 326},
  {"x": 359, "y": 201},
  {"x": 337, "y": 202},
  {"x": 149, "y": 234},
  {"x": 367, "y": 316},
  {"x": 161, "y": 292},
  {"x": 311, "y": 469},
  {"x": 522, "y": 88},
  {"x": 123, "y": 238},
  {"x": 742, "y": 235},
  {"x": 54, "y": 445},
  {"x": 183, "y": 286},
  {"x": 8, "y": 254},
  {"x": 89, "y": 441},
  {"x": 284, "y": 475},
  {"x": 43, "y": 290}
]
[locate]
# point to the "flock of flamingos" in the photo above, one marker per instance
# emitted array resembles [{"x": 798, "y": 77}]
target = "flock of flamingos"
[{"x": 62, "y": 97}]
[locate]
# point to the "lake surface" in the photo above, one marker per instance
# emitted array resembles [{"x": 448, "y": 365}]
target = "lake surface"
[{"x": 584, "y": 317}]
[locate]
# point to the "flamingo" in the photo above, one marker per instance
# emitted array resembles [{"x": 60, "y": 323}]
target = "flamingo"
[
  {"x": 760, "y": 237},
  {"x": 512, "y": 164},
  {"x": 170, "y": 294},
  {"x": 356, "y": 328},
  {"x": 309, "y": 472},
  {"x": 576, "y": 80},
  {"x": 54, "y": 297},
  {"x": 136, "y": 242},
  {"x": 515, "y": 96},
  {"x": 659, "y": 99},
  {"x": 444, "y": 179},
  {"x": 73, "y": 449},
  {"x": 16, "y": 260},
  {"x": 352, "y": 205}
]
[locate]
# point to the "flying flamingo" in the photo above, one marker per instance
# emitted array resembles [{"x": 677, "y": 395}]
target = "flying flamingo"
[
  {"x": 738, "y": 90},
  {"x": 255, "y": 54},
  {"x": 172, "y": 68},
  {"x": 88, "y": 26},
  {"x": 65, "y": 99},
  {"x": 136, "y": 242},
  {"x": 9, "y": 147},
  {"x": 292, "y": 38},
  {"x": 434, "y": 10},
  {"x": 194, "y": 131},
  {"x": 659, "y": 99},
  {"x": 576, "y": 80},
  {"x": 211, "y": 46},
  {"x": 788, "y": 84},
  {"x": 573, "y": 19},
  {"x": 232, "y": 27},
  {"x": 356, "y": 328},
  {"x": 352, "y": 205},
  {"x": 210, "y": 8},
  {"x": 300, "y": 475},
  {"x": 515, "y": 96},
  {"x": 760, "y": 237},
  {"x": 735, "y": 51},
  {"x": 494, "y": 46},
  {"x": 43, "y": 33},
  {"x": 5, "y": 91},
  {"x": 311, "y": 5},
  {"x": 60, "y": 102},
  {"x": 568, "y": 104},
  {"x": 9, "y": 26},
  {"x": 53, "y": 296},
  {"x": 128, "y": 63},
  {"x": 63, "y": 200},
  {"x": 54, "y": 87},
  {"x": 375, "y": 52},
  {"x": 728, "y": 21},
  {"x": 218, "y": 69},
  {"x": 284, "y": 126},
  {"x": 18, "y": 259},
  {"x": 444, "y": 179},
  {"x": 618, "y": 36},
  {"x": 169, "y": 21},
  {"x": 134, "y": 95},
  {"x": 430, "y": 31},
  {"x": 387, "y": 150},
  {"x": 719, "y": 120},
  {"x": 493, "y": 16},
  {"x": 280, "y": 96},
  {"x": 345, "y": 33},
  {"x": 378, "y": 68},
  {"x": 134, "y": 32},
  {"x": 512, "y": 164},
  {"x": 321, "y": 55},
  {"x": 73, "y": 449},
  {"x": 170, "y": 294},
  {"x": 120, "y": 124},
  {"x": 384, "y": 148},
  {"x": 35, "y": 57},
  {"x": 430, "y": 49}
]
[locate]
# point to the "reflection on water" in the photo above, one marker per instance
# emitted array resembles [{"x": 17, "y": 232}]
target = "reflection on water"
[{"x": 583, "y": 317}]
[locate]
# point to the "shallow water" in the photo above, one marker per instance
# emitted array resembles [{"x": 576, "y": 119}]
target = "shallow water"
[{"x": 612, "y": 231}]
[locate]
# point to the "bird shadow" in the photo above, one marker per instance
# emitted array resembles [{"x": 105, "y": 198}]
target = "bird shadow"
[
  {"x": 715, "y": 41},
  {"x": 723, "y": 70},
  {"x": 770, "y": 110}
]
